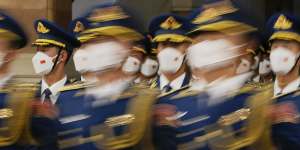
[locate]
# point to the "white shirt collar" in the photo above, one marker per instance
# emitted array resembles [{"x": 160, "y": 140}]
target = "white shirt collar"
[
  {"x": 175, "y": 84},
  {"x": 294, "y": 85},
  {"x": 53, "y": 88}
]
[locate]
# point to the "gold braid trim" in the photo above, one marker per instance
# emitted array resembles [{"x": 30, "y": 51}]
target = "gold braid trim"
[
  {"x": 17, "y": 125},
  {"x": 256, "y": 126},
  {"x": 141, "y": 108}
]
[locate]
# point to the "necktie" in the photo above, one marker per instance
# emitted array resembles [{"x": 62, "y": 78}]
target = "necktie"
[
  {"x": 47, "y": 93},
  {"x": 278, "y": 93},
  {"x": 167, "y": 88}
]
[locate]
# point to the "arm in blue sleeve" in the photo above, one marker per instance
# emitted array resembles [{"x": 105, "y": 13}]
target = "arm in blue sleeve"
[
  {"x": 286, "y": 136},
  {"x": 164, "y": 138}
]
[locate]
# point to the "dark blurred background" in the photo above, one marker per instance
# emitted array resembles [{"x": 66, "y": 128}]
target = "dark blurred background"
[
  {"x": 62, "y": 11},
  {"x": 260, "y": 10}
]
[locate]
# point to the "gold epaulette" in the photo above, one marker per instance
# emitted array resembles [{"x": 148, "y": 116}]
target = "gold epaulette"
[
  {"x": 247, "y": 88},
  {"x": 73, "y": 80},
  {"x": 134, "y": 90},
  {"x": 185, "y": 93},
  {"x": 260, "y": 85},
  {"x": 24, "y": 86},
  {"x": 4, "y": 90},
  {"x": 153, "y": 83},
  {"x": 76, "y": 86},
  {"x": 142, "y": 84},
  {"x": 173, "y": 91}
]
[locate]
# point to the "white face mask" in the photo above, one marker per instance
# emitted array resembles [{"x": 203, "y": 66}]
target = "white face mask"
[
  {"x": 131, "y": 65},
  {"x": 42, "y": 63},
  {"x": 100, "y": 56},
  {"x": 243, "y": 67},
  {"x": 170, "y": 60},
  {"x": 264, "y": 67},
  {"x": 81, "y": 61},
  {"x": 282, "y": 60},
  {"x": 212, "y": 54},
  {"x": 149, "y": 67}
]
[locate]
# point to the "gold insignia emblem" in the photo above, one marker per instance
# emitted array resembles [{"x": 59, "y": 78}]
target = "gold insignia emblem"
[
  {"x": 120, "y": 120},
  {"x": 283, "y": 23},
  {"x": 78, "y": 27},
  {"x": 107, "y": 14},
  {"x": 41, "y": 28},
  {"x": 213, "y": 13},
  {"x": 170, "y": 23},
  {"x": 232, "y": 118},
  {"x": 6, "y": 113}
]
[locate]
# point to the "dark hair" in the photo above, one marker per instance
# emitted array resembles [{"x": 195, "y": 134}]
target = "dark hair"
[{"x": 16, "y": 44}]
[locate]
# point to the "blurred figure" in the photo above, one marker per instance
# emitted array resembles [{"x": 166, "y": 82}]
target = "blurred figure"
[
  {"x": 283, "y": 34},
  {"x": 169, "y": 33},
  {"x": 107, "y": 111},
  {"x": 77, "y": 26},
  {"x": 12, "y": 38},
  {"x": 54, "y": 48},
  {"x": 214, "y": 112},
  {"x": 17, "y": 132},
  {"x": 149, "y": 66},
  {"x": 264, "y": 73},
  {"x": 133, "y": 63}
]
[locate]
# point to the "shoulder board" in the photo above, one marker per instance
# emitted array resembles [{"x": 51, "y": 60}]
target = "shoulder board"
[
  {"x": 262, "y": 86},
  {"x": 185, "y": 93},
  {"x": 295, "y": 93},
  {"x": 267, "y": 86},
  {"x": 128, "y": 93},
  {"x": 72, "y": 80},
  {"x": 173, "y": 91},
  {"x": 245, "y": 89},
  {"x": 4, "y": 90},
  {"x": 153, "y": 83},
  {"x": 141, "y": 85},
  {"x": 76, "y": 86},
  {"x": 135, "y": 90},
  {"x": 23, "y": 86}
]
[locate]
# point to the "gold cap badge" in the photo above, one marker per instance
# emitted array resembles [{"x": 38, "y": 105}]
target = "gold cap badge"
[
  {"x": 170, "y": 23},
  {"x": 78, "y": 27},
  {"x": 282, "y": 23},
  {"x": 41, "y": 28}
]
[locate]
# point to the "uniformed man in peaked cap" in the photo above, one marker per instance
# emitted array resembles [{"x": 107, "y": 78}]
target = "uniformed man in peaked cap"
[
  {"x": 168, "y": 32},
  {"x": 283, "y": 36},
  {"x": 215, "y": 111},
  {"x": 109, "y": 113},
  {"x": 19, "y": 119}
]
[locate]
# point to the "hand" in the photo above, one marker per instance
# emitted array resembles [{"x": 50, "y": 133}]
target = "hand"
[
  {"x": 45, "y": 109},
  {"x": 162, "y": 113},
  {"x": 283, "y": 112}
]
